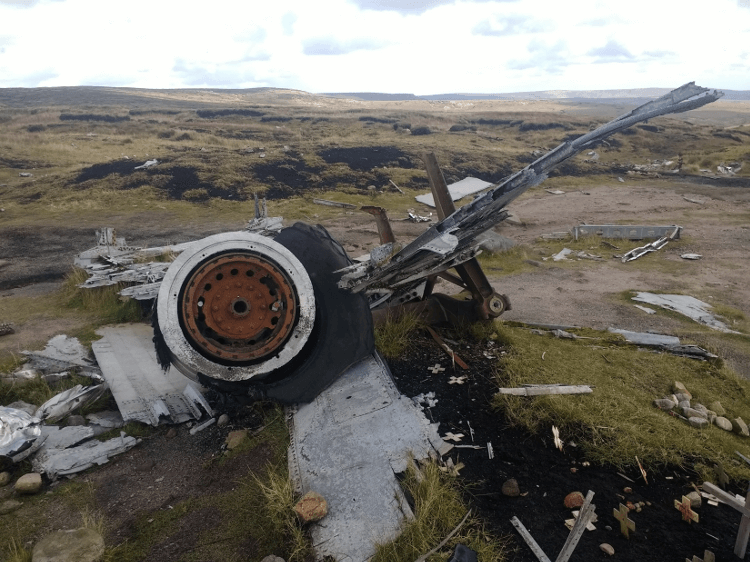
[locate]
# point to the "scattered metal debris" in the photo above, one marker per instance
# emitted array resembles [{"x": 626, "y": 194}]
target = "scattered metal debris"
[
  {"x": 69, "y": 400},
  {"x": 63, "y": 462},
  {"x": 626, "y": 231},
  {"x": 147, "y": 164},
  {"x": 542, "y": 389},
  {"x": 457, "y": 190},
  {"x": 636, "y": 253},
  {"x": 645, "y": 309},
  {"x": 334, "y": 204},
  {"x": 63, "y": 354},
  {"x": 376, "y": 431},
  {"x": 142, "y": 390},
  {"x": 667, "y": 343},
  {"x": 691, "y": 256},
  {"x": 691, "y": 200},
  {"x": 689, "y": 306},
  {"x": 18, "y": 433},
  {"x": 414, "y": 217}
]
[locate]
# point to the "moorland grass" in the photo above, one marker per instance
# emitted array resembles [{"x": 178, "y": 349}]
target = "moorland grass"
[{"x": 618, "y": 422}]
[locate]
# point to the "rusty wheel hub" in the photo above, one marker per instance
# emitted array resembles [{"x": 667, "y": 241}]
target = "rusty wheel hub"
[
  {"x": 235, "y": 306},
  {"x": 239, "y": 307}
]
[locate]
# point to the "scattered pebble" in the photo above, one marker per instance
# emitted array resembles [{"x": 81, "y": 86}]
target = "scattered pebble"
[
  {"x": 510, "y": 488},
  {"x": 574, "y": 499},
  {"x": 30, "y": 483},
  {"x": 4, "y": 478},
  {"x": 627, "y": 490},
  {"x": 607, "y": 548},
  {"x": 695, "y": 500},
  {"x": 9, "y": 506},
  {"x": 223, "y": 420},
  {"x": 171, "y": 433},
  {"x": 312, "y": 507}
]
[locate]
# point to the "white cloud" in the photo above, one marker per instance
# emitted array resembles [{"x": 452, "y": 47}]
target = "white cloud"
[{"x": 422, "y": 46}]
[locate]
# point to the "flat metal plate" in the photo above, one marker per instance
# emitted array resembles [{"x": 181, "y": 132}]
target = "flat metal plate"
[
  {"x": 142, "y": 390},
  {"x": 458, "y": 190},
  {"x": 347, "y": 445}
]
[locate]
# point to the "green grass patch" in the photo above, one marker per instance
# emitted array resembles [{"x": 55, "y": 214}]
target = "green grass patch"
[
  {"x": 618, "y": 422},
  {"x": 438, "y": 509},
  {"x": 392, "y": 338}
]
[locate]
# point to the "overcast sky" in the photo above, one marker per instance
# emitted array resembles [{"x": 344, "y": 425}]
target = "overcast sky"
[{"x": 394, "y": 46}]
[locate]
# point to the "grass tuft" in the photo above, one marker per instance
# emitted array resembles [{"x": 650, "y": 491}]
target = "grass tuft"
[
  {"x": 392, "y": 339},
  {"x": 438, "y": 509}
]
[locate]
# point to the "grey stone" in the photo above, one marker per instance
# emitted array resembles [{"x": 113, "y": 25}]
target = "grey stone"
[
  {"x": 4, "y": 478},
  {"x": 683, "y": 396},
  {"x": 700, "y": 423},
  {"x": 76, "y": 420},
  {"x": 272, "y": 558},
  {"x": 494, "y": 243},
  {"x": 695, "y": 499},
  {"x": 664, "y": 404},
  {"x": 29, "y": 483},
  {"x": 25, "y": 406},
  {"x": 9, "y": 506},
  {"x": 740, "y": 427},
  {"x": 80, "y": 545},
  {"x": 711, "y": 415},
  {"x": 510, "y": 488},
  {"x": 678, "y": 387},
  {"x": 683, "y": 404},
  {"x": 692, "y": 413},
  {"x": 700, "y": 407},
  {"x": 223, "y": 420},
  {"x": 605, "y": 547},
  {"x": 717, "y": 407},
  {"x": 723, "y": 423}
]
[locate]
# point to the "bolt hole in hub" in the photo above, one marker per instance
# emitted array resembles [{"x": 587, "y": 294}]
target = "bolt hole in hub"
[{"x": 243, "y": 304}]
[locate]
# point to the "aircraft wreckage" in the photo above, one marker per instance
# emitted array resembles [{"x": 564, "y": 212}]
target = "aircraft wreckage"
[{"x": 281, "y": 313}]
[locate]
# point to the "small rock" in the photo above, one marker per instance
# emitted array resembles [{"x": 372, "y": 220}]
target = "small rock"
[
  {"x": 664, "y": 404},
  {"x": 80, "y": 545},
  {"x": 312, "y": 507},
  {"x": 693, "y": 413},
  {"x": 76, "y": 420},
  {"x": 740, "y": 427},
  {"x": 679, "y": 388},
  {"x": 683, "y": 404},
  {"x": 29, "y": 483},
  {"x": 236, "y": 438},
  {"x": 607, "y": 548},
  {"x": 171, "y": 433},
  {"x": 4, "y": 478},
  {"x": 25, "y": 174},
  {"x": 698, "y": 422},
  {"x": 695, "y": 499},
  {"x": 627, "y": 490},
  {"x": 9, "y": 506},
  {"x": 146, "y": 465},
  {"x": 25, "y": 406},
  {"x": 723, "y": 423},
  {"x": 223, "y": 420},
  {"x": 510, "y": 488},
  {"x": 272, "y": 558},
  {"x": 573, "y": 500},
  {"x": 700, "y": 407},
  {"x": 717, "y": 407}
]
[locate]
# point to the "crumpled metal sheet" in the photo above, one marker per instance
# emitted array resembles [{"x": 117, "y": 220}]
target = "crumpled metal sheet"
[
  {"x": 63, "y": 354},
  {"x": 687, "y": 305},
  {"x": 69, "y": 400},
  {"x": 347, "y": 445},
  {"x": 458, "y": 190},
  {"x": 18, "y": 432},
  {"x": 62, "y": 462}
]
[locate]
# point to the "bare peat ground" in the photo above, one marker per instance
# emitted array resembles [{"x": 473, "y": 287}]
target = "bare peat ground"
[{"x": 545, "y": 475}]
